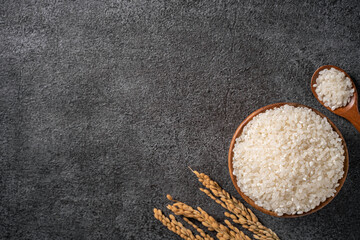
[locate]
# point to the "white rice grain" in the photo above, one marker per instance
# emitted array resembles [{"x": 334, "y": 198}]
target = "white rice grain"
[
  {"x": 288, "y": 160},
  {"x": 333, "y": 88}
]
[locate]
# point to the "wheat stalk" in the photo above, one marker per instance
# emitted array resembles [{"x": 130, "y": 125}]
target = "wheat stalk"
[
  {"x": 241, "y": 214},
  {"x": 223, "y": 232},
  {"x": 175, "y": 226}
]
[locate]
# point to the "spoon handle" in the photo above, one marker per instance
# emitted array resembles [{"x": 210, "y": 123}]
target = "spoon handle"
[
  {"x": 354, "y": 117},
  {"x": 356, "y": 123}
]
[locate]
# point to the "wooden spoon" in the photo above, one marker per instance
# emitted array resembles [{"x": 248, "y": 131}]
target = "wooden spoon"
[
  {"x": 351, "y": 110},
  {"x": 231, "y": 156}
]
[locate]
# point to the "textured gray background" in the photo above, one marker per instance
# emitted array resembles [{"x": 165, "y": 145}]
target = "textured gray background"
[{"x": 105, "y": 104}]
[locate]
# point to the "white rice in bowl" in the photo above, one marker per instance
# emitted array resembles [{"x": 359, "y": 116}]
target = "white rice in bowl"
[
  {"x": 288, "y": 160},
  {"x": 333, "y": 88}
]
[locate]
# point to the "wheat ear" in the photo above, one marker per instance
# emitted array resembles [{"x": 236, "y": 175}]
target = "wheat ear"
[
  {"x": 223, "y": 232},
  {"x": 241, "y": 214},
  {"x": 175, "y": 226},
  {"x": 202, "y": 233}
]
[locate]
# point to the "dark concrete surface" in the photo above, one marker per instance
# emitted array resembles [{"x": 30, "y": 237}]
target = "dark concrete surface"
[{"x": 105, "y": 104}]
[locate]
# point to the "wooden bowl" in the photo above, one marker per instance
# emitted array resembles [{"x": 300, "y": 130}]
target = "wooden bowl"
[{"x": 250, "y": 201}]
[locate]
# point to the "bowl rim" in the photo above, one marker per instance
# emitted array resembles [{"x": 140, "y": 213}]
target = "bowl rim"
[{"x": 238, "y": 133}]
